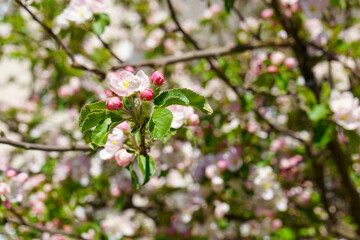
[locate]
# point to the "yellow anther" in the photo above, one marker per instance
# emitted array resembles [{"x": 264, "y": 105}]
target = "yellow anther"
[{"x": 126, "y": 83}]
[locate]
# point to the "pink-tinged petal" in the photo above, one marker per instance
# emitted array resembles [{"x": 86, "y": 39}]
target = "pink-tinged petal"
[
  {"x": 144, "y": 79},
  {"x": 117, "y": 89},
  {"x": 134, "y": 86},
  {"x": 125, "y": 75},
  {"x": 116, "y": 82}
]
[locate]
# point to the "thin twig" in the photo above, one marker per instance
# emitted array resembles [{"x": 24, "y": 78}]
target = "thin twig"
[
  {"x": 42, "y": 147},
  {"x": 335, "y": 57},
  {"x": 109, "y": 48},
  {"x": 58, "y": 40}
]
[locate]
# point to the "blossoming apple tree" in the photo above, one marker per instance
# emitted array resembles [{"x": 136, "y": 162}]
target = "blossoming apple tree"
[{"x": 157, "y": 119}]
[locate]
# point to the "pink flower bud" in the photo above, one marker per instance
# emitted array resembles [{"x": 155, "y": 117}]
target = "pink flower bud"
[
  {"x": 115, "y": 191},
  {"x": 124, "y": 126},
  {"x": 66, "y": 228},
  {"x": 108, "y": 93},
  {"x": 41, "y": 196},
  {"x": 295, "y": 7},
  {"x": 157, "y": 78},
  {"x": 267, "y": 13},
  {"x": 7, "y": 204},
  {"x": 290, "y": 63},
  {"x": 222, "y": 164},
  {"x": 47, "y": 187},
  {"x": 23, "y": 177},
  {"x": 271, "y": 69},
  {"x": 147, "y": 94},
  {"x": 194, "y": 119},
  {"x": 3, "y": 188},
  {"x": 10, "y": 173},
  {"x": 130, "y": 69},
  {"x": 122, "y": 157},
  {"x": 64, "y": 91},
  {"x": 276, "y": 224},
  {"x": 288, "y": 13},
  {"x": 113, "y": 103}
]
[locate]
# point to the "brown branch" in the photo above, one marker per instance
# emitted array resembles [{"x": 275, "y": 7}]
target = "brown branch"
[
  {"x": 25, "y": 222},
  {"x": 300, "y": 49},
  {"x": 108, "y": 48},
  {"x": 198, "y": 54},
  {"x": 42, "y": 147},
  {"x": 197, "y": 47},
  {"x": 335, "y": 57},
  {"x": 341, "y": 160},
  {"x": 58, "y": 40}
]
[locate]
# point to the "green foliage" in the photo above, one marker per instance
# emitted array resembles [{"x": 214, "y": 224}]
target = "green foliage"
[
  {"x": 147, "y": 167},
  {"x": 183, "y": 97},
  {"x": 96, "y": 115},
  {"x": 101, "y": 21},
  {"x": 228, "y": 4},
  {"x": 160, "y": 123},
  {"x": 100, "y": 133},
  {"x": 318, "y": 112}
]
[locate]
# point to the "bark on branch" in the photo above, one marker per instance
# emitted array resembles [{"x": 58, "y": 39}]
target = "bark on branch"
[{"x": 42, "y": 147}]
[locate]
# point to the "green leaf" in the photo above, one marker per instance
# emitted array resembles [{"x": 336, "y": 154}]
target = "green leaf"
[
  {"x": 100, "y": 133},
  {"x": 183, "y": 97},
  {"x": 249, "y": 101},
  {"x": 148, "y": 108},
  {"x": 318, "y": 112},
  {"x": 89, "y": 108},
  {"x": 98, "y": 28},
  {"x": 228, "y": 4},
  {"x": 339, "y": 3},
  {"x": 306, "y": 95},
  {"x": 147, "y": 167},
  {"x": 322, "y": 135},
  {"x": 91, "y": 120},
  {"x": 134, "y": 180},
  {"x": 101, "y": 21},
  {"x": 325, "y": 92},
  {"x": 156, "y": 92},
  {"x": 160, "y": 123}
]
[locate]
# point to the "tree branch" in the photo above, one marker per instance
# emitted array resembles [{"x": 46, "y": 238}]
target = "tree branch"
[
  {"x": 58, "y": 40},
  {"x": 25, "y": 222},
  {"x": 197, "y": 54},
  {"x": 335, "y": 57},
  {"x": 299, "y": 47},
  {"x": 108, "y": 48},
  {"x": 42, "y": 147}
]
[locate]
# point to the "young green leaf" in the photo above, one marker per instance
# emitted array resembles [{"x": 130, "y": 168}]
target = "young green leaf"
[
  {"x": 160, "y": 123},
  {"x": 101, "y": 21},
  {"x": 183, "y": 97},
  {"x": 100, "y": 133},
  {"x": 148, "y": 108},
  {"x": 89, "y": 108},
  {"x": 147, "y": 167},
  {"x": 318, "y": 112},
  {"x": 91, "y": 120}
]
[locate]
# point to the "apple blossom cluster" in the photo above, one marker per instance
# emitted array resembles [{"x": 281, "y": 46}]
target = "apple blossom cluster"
[
  {"x": 79, "y": 11},
  {"x": 135, "y": 108},
  {"x": 346, "y": 110}
]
